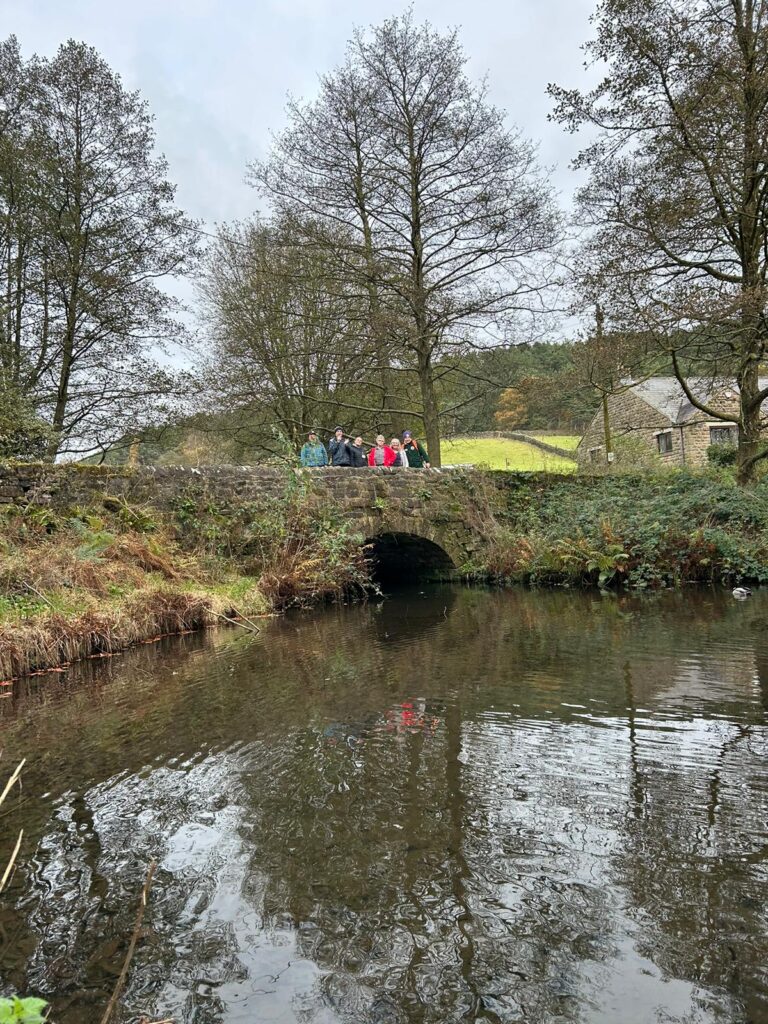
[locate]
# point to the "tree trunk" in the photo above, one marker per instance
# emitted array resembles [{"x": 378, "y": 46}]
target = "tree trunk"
[
  {"x": 60, "y": 409},
  {"x": 607, "y": 431},
  {"x": 65, "y": 373},
  {"x": 431, "y": 413},
  {"x": 385, "y": 421},
  {"x": 750, "y": 444},
  {"x": 751, "y": 239}
]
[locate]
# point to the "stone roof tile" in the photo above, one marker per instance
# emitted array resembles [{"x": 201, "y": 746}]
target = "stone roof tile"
[{"x": 666, "y": 395}]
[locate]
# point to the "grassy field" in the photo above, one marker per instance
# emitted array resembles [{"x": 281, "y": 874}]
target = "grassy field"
[
  {"x": 499, "y": 453},
  {"x": 569, "y": 441}
]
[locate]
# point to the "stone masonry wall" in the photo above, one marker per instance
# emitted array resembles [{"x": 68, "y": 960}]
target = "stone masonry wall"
[
  {"x": 64, "y": 486},
  {"x": 631, "y": 417},
  {"x": 697, "y": 439},
  {"x": 433, "y": 504}
]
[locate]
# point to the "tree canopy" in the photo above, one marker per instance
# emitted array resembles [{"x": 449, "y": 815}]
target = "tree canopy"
[
  {"x": 411, "y": 181},
  {"x": 88, "y": 233},
  {"x": 676, "y": 201}
]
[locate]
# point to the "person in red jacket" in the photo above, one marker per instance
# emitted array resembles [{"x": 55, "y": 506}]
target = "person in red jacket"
[{"x": 382, "y": 454}]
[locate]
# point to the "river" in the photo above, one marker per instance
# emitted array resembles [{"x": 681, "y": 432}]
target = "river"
[{"x": 453, "y": 805}]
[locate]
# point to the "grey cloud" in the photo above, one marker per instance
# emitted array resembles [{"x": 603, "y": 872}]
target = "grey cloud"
[{"x": 217, "y": 74}]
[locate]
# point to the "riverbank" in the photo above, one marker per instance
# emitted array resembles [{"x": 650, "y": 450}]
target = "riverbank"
[
  {"x": 94, "y": 580},
  {"x": 640, "y": 532},
  {"x": 88, "y": 572}
]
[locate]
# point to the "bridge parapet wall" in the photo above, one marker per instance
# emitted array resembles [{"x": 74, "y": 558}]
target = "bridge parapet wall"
[
  {"x": 439, "y": 505},
  {"x": 62, "y": 486}
]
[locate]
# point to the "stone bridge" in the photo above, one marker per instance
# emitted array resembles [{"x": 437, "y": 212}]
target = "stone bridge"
[{"x": 428, "y": 520}]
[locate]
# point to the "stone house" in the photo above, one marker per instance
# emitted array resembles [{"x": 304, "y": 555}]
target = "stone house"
[{"x": 655, "y": 421}]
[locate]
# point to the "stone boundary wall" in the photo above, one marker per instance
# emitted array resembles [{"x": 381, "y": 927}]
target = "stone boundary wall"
[{"x": 521, "y": 435}]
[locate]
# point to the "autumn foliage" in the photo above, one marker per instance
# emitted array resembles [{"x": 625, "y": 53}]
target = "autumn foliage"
[{"x": 512, "y": 411}]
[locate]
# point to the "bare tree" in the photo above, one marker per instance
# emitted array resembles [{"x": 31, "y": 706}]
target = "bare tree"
[
  {"x": 610, "y": 364},
  {"x": 285, "y": 331},
  {"x": 324, "y": 175},
  {"x": 677, "y": 198},
  {"x": 448, "y": 214}
]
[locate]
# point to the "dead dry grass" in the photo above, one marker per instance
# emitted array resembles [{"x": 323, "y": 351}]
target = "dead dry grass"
[
  {"x": 57, "y": 565},
  {"x": 139, "y": 552},
  {"x": 95, "y": 581},
  {"x": 50, "y": 640},
  {"x": 76, "y": 592}
]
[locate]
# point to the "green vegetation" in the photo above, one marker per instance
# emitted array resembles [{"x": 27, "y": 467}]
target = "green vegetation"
[
  {"x": 666, "y": 79},
  {"x": 501, "y": 453},
  {"x": 722, "y": 455},
  {"x": 22, "y": 434},
  {"x": 96, "y": 580},
  {"x": 247, "y": 434},
  {"x": 649, "y": 531},
  {"x": 92, "y": 581},
  {"x": 547, "y": 394},
  {"x": 22, "y": 1011}
]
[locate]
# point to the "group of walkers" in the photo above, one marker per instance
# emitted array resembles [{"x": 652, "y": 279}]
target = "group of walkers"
[{"x": 343, "y": 451}]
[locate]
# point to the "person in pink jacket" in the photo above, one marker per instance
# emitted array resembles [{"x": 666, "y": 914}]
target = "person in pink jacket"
[{"x": 382, "y": 454}]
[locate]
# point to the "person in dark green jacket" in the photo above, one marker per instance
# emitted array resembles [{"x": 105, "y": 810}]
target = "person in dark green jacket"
[
  {"x": 313, "y": 452},
  {"x": 415, "y": 451}
]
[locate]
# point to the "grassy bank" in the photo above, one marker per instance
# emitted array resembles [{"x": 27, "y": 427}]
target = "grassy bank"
[
  {"x": 644, "y": 532},
  {"x": 93, "y": 581}
]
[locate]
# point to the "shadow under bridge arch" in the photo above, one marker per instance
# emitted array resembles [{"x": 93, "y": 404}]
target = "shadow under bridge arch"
[{"x": 407, "y": 558}]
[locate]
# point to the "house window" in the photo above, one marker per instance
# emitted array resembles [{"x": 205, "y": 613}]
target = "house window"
[
  {"x": 594, "y": 454},
  {"x": 722, "y": 435},
  {"x": 664, "y": 441}
]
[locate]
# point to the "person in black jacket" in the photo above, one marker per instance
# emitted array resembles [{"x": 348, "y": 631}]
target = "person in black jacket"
[
  {"x": 339, "y": 449},
  {"x": 358, "y": 453}
]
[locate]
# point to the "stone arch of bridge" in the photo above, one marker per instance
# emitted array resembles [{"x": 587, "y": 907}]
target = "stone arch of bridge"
[{"x": 408, "y": 556}]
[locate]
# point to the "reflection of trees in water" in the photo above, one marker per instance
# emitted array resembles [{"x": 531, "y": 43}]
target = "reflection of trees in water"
[
  {"x": 692, "y": 859},
  {"x": 86, "y": 877},
  {"x": 478, "y": 904},
  {"x": 391, "y": 858}
]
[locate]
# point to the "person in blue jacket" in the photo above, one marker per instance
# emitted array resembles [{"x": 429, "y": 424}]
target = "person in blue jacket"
[{"x": 313, "y": 452}]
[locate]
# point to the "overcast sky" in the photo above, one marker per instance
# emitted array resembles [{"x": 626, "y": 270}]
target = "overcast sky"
[{"x": 216, "y": 73}]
